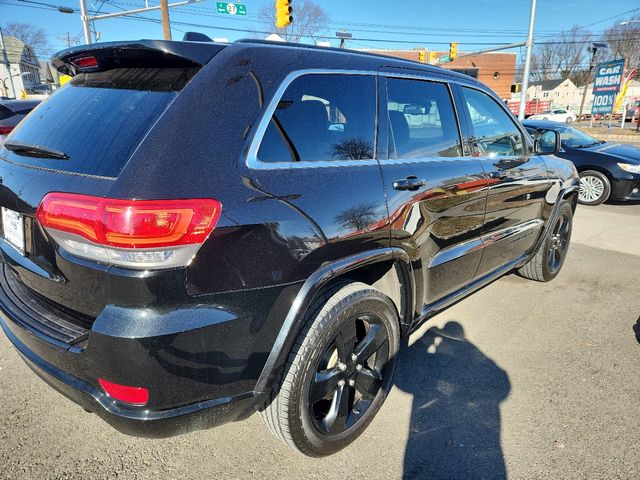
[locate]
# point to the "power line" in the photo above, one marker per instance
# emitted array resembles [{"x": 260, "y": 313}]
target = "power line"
[{"x": 45, "y": 6}]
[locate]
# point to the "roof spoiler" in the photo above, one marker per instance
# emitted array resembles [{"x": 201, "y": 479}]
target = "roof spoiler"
[{"x": 140, "y": 53}]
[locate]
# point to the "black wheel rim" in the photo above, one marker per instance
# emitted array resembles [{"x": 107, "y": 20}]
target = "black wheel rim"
[
  {"x": 558, "y": 243},
  {"x": 349, "y": 375}
]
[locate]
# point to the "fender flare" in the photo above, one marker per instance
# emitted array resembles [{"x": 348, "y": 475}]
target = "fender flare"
[{"x": 292, "y": 324}]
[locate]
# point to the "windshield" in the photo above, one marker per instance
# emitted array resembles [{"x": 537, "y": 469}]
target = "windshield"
[{"x": 574, "y": 138}]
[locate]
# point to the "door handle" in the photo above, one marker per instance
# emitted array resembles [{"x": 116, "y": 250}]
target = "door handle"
[
  {"x": 498, "y": 175},
  {"x": 409, "y": 183}
]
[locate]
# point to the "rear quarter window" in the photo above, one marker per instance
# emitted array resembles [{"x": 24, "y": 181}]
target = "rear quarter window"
[{"x": 323, "y": 117}]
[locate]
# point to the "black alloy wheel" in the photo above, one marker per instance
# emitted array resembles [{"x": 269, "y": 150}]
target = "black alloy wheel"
[
  {"x": 349, "y": 375},
  {"x": 559, "y": 242},
  {"x": 338, "y": 373},
  {"x": 552, "y": 252}
]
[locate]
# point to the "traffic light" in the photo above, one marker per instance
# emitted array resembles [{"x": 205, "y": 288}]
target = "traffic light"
[
  {"x": 422, "y": 56},
  {"x": 432, "y": 58},
  {"x": 283, "y": 13},
  {"x": 515, "y": 88},
  {"x": 453, "y": 51}
]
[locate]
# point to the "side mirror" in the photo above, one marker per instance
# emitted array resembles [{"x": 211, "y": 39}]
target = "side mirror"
[{"x": 546, "y": 142}]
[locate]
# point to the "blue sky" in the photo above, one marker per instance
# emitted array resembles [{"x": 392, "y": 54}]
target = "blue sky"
[{"x": 423, "y": 23}]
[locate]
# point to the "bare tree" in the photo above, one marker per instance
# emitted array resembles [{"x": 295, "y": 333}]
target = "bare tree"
[
  {"x": 357, "y": 218},
  {"x": 353, "y": 149},
  {"x": 563, "y": 56},
  {"x": 309, "y": 21},
  {"x": 623, "y": 40},
  {"x": 30, "y": 34}
]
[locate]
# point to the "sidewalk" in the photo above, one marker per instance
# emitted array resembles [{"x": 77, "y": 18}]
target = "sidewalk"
[{"x": 611, "y": 227}]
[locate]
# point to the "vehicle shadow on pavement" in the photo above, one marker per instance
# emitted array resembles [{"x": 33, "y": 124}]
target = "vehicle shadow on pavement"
[{"x": 455, "y": 419}]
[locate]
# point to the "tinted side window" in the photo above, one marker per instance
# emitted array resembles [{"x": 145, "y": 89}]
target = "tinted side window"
[
  {"x": 495, "y": 132},
  {"x": 323, "y": 117},
  {"x": 421, "y": 119}
]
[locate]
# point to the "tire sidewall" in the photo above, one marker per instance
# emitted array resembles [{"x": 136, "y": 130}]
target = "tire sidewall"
[
  {"x": 548, "y": 274},
  {"x": 607, "y": 187},
  {"x": 303, "y": 431}
]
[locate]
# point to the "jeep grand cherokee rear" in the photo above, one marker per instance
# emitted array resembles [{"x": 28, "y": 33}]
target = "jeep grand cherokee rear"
[
  {"x": 194, "y": 232},
  {"x": 94, "y": 287}
]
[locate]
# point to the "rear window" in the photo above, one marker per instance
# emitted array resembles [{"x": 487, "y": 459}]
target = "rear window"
[{"x": 98, "y": 119}]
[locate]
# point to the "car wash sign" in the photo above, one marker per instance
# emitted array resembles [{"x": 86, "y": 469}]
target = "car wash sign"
[{"x": 606, "y": 86}]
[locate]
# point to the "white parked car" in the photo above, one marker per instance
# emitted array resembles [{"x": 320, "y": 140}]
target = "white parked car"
[{"x": 558, "y": 115}]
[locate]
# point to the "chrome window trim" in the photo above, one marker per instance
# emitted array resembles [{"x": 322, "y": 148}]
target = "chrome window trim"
[
  {"x": 253, "y": 162},
  {"x": 252, "y": 154}
]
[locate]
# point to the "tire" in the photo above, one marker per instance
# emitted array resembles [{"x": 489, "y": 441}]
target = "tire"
[
  {"x": 569, "y": 120},
  {"x": 595, "y": 188},
  {"x": 548, "y": 260},
  {"x": 545, "y": 118},
  {"x": 320, "y": 362}
]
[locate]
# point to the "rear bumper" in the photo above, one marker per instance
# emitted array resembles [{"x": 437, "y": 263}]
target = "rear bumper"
[
  {"x": 200, "y": 360},
  {"x": 143, "y": 423}
]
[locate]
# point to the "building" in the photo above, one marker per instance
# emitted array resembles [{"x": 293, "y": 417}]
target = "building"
[
  {"x": 48, "y": 74},
  {"x": 496, "y": 70},
  {"x": 23, "y": 71},
  {"x": 561, "y": 93}
]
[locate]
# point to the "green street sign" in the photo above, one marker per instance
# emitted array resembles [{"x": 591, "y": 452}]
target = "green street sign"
[
  {"x": 229, "y": 8},
  {"x": 444, "y": 58}
]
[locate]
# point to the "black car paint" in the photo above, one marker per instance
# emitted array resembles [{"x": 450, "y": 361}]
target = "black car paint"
[
  {"x": 602, "y": 157},
  {"x": 13, "y": 111},
  {"x": 209, "y": 340}
]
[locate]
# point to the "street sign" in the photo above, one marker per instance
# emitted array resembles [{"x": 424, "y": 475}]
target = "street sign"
[
  {"x": 606, "y": 86},
  {"x": 444, "y": 58},
  {"x": 231, "y": 8}
]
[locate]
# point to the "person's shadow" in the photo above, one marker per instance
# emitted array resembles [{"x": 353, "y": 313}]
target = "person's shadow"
[{"x": 455, "y": 419}]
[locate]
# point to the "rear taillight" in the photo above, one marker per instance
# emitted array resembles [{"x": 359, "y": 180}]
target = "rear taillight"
[
  {"x": 137, "y": 396},
  {"x": 133, "y": 233},
  {"x": 5, "y": 130},
  {"x": 85, "y": 63}
]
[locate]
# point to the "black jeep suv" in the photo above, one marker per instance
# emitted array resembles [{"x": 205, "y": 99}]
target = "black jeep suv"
[{"x": 193, "y": 232}]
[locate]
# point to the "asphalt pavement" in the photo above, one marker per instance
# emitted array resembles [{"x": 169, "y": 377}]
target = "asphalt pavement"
[{"x": 522, "y": 380}]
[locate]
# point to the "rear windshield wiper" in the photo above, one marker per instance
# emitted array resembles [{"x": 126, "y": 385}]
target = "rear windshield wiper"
[{"x": 30, "y": 150}]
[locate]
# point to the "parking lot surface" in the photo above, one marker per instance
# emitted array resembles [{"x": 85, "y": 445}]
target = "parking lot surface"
[{"x": 521, "y": 380}]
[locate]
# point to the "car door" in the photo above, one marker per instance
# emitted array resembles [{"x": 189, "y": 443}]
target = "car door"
[
  {"x": 312, "y": 171},
  {"x": 518, "y": 179},
  {"x": 435, "y": 193}
]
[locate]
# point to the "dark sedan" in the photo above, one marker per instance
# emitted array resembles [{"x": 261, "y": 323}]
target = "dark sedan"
[
  {"x": 11, "y": 112},
  {"x": 608, "y": 171}
]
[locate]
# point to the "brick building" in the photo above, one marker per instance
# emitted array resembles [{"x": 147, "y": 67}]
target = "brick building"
[{"x": 496, "y": 70}]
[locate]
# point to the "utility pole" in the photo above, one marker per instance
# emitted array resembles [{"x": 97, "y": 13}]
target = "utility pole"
[
  {"x": 163, "y": 7},
  {"x": 84, "y": 18},
  {"x": 527, "y": 62},
  {"x": 592, "y": 65},
  {"x": 5, "y": 60},
  {"x": 68, "y": 40},
  {"x": 166, "y": 27}
]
